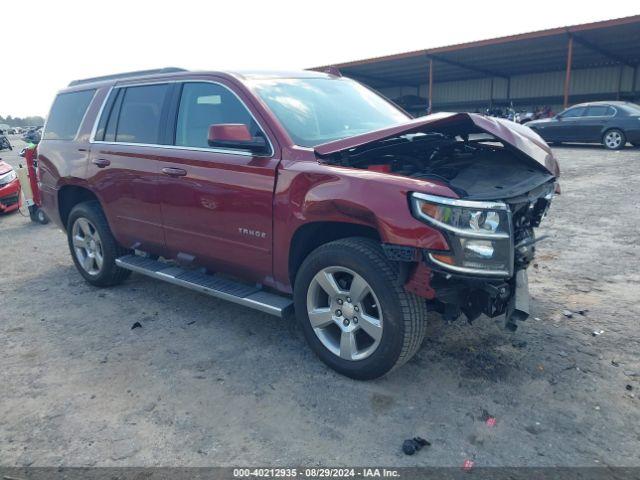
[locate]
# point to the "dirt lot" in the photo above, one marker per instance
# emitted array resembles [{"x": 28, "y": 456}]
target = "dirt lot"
[{"x": 205, "y": 382}]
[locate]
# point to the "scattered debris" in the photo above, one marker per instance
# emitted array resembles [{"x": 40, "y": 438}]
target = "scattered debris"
[
  {"x": 191, "y": 322},
  {"x": 595, "y": 333},
  {"x": 468, "y": 465},
  {"x": 562, "y": 353},
  {"x": 567, "y": 313},
  {"x": 491, "y": 422},
  {"x": 582, "y": 312},
  {"x": 597, "y": 407},
  {"x": 534, "y": 429},
  {"x": 615, "y": 363},
  {"x": 629, "y": 387},
  {"x": 485, "y": 415},
  {"x": 412, "y": 445},
  {"x": 136, "y": 325},
  {"x": 537, "y": 319}
]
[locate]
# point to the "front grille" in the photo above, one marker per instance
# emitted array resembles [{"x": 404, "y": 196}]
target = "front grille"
[{"x": 9, "y": 201}]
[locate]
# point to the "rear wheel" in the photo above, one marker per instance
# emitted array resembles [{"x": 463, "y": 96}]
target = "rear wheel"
[
  {"x": 93, "y": 248},
  {"x": 354, "y": 315},
  {"x": 614, "y": 139},
  {"x": 39, "y": 216}
]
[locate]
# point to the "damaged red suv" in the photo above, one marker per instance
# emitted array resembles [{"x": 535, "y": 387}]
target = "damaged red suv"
[{"x": 299, "y": 191}]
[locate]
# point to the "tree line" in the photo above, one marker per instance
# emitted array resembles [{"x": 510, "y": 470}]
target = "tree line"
[{"x": 33, "y": 121}]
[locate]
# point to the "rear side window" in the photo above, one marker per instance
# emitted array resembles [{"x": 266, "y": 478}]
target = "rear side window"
[
  {"x": 599, "y": 111},
  {"x": 205, "y": 104},
  {"x": 140, "y": 114},
  {"x": 66, "y": 114}
]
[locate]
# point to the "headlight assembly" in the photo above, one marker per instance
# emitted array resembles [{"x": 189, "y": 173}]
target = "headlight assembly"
[
  {"x": 479, "y": 234},
  {"x": 8, "y": 177}
]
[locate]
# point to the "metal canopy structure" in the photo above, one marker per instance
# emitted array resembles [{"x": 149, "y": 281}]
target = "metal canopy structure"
[{"x": 606, "y": 43}]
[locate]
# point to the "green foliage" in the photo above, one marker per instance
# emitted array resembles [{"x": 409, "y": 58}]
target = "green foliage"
[{"x": 33, "y": 121}]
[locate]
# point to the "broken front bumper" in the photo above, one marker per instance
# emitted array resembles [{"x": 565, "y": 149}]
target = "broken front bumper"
[{"x": 454, "y": 294}]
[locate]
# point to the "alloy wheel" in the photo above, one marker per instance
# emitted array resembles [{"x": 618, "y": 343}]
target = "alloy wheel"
[
  {"x": 345, "y": 313},
  {"x": 613, "y": 139},
  {"x": 87, "y": 246}
]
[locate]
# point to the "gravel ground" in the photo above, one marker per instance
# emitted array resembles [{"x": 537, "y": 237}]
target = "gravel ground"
[{"x": 205, "y": 382}]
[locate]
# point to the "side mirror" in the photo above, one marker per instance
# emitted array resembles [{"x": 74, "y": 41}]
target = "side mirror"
[{"x": 235, "y": 135}]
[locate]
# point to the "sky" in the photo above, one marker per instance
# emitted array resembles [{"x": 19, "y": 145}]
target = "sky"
[{"x": 62, "y": 40}]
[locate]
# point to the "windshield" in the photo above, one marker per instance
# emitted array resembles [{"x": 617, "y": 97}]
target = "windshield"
[{"x": 319, "y": 110}]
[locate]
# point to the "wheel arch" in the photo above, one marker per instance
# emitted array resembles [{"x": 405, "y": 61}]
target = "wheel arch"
[
  {"x": 312, "y": 235},
  {"x": 71, "y": 195}
]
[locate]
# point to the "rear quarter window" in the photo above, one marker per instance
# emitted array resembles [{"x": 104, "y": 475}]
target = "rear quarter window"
[{"x": 66, "y": 115}]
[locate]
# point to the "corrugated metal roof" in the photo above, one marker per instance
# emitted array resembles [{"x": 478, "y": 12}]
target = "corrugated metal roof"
[{"x": 610, "y": 42}]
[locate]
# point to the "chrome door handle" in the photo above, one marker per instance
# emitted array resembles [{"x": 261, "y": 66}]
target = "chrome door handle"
[
  {"x": 174, "y": 172},
  {"x": 101, "y": 162}
]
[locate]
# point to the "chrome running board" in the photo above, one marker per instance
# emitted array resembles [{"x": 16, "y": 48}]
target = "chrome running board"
[{"x": 214, "y": 285}]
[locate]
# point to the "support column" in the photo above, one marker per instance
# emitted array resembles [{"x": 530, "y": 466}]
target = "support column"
[
  {"x": 491, "y": 94},
  {"x": 620, "y": 76},
  {"x": 567, "y": 77},
  {"x": 430, "y": 106}
]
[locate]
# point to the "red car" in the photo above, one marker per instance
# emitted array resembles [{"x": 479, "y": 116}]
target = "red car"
[
  {"x": 9, "y": 188},
  {"x": 305, "y": 190}
]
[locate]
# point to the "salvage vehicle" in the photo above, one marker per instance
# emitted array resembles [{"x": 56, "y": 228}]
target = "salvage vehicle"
[
  {"x": 612, "y": 124},
  {"x": 299, "y": 191},
  {"x": 9, "y": 188}
]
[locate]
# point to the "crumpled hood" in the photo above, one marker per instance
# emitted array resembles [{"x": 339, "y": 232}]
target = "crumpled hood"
[
  {"x": 514, "y": 134},
  {"x": 5, "y": 168}
]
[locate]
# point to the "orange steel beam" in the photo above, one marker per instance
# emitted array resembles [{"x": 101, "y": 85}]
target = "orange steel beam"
[{"x": 567, "y": 76}]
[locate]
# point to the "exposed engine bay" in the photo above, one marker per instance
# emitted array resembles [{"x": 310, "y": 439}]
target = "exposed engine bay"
[
  {"x": 485, "y": 270},
  {"x": 475, "y": 166}
]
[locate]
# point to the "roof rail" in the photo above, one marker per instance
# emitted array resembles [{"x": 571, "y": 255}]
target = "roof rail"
[{"x": 139, "y": 73}]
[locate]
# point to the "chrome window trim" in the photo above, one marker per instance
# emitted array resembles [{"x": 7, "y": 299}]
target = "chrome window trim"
[
  {"x": 229, "y": 151},
  {"x": 99, "y": 116}
]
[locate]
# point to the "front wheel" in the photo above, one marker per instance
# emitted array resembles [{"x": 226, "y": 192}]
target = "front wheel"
[
  {"x": 354, "y": 315},
  {"x": 614, "y": 139},
  {"x": 93, "y": 248}
]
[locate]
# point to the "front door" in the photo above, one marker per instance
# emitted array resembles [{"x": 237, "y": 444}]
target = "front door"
[
  {"x": 217, "y": 204},
  {"x": 566, "y": 126}
]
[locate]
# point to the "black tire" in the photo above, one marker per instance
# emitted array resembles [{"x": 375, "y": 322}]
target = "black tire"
[
  {"x": 109, "y": 274},
  {"x": 610, "y": 145},
  {"x": 41, "y": 217},
  {"x": 404, "y": 322}
]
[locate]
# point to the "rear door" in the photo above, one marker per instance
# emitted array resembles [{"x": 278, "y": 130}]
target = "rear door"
[
  {"x": 217, "y": 204},
  {"x": 592, "y": 124},
  {"x": 123, "y": 167}
]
